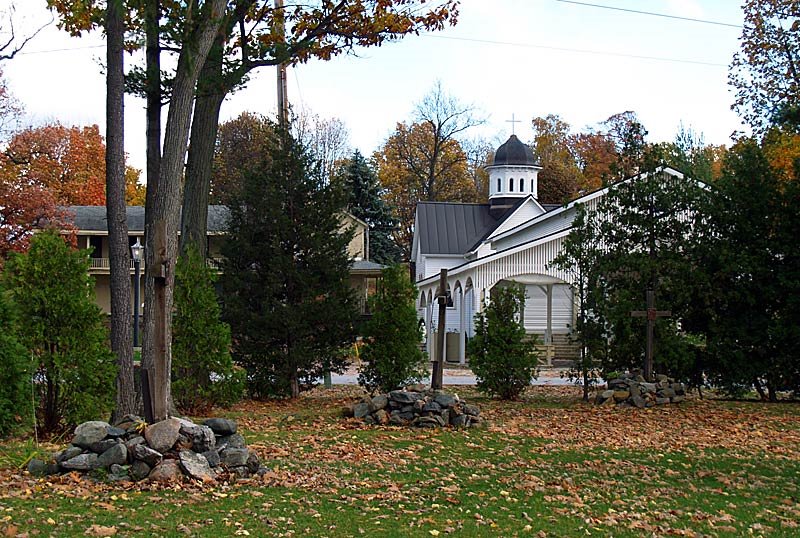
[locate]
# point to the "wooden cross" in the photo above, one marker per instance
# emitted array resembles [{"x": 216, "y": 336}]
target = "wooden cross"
[
  {"x": 512, "y": 121},
  {"x": 651, "y": 314}
]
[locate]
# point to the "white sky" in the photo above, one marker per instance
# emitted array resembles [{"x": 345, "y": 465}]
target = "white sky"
[{"x": 505, "y": 57}]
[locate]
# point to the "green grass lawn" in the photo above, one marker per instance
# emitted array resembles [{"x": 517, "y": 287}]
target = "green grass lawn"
[{"x": 546, "y": 466}]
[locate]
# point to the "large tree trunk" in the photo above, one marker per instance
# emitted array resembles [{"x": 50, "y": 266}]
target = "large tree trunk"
[
  {"x": 162, "y": 214},
  {"x": 119, "y": 259},
  {"x": 205, "y": 123}
]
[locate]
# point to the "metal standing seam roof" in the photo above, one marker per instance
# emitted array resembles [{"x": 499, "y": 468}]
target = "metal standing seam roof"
[
  {"x": 452, "y": 228},
  {"x": 93, "y": 218}
]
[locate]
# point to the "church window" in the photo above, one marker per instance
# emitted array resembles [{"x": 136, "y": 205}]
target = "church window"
[
  {"x": 533, "y": 185},
  {"x": 522, "y": 184},
  {"x": 511, "y": 185},
  {"x": 498, "y": 185}
]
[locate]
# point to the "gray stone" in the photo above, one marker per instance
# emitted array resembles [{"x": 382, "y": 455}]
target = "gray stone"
[
  {"x": 146, "y": 454},
  {"x": 678, "y": 399},
  {"x": 380, "y": 402},
  {"x": 425, "y": 422},
  {"x": 417, "y": 387},
  {"x": 662, "y": 401},
  {"x": 405, "y": 397},
  {"x": 419, "y": 405},
  {"x": 90, "y": 432},
  {"x": 635, "y": 390},
  {"x": 196, "y": 466},
  {"x": 459, "y": 421},
  {"x": 126, "y": 422},
  {"x": 166, "y": 472},
  {"x": 102, "y": 446},
  {"x": 221, "y": 426},
  {"x": 679, "y": 388},
  {"x": 161, "y": 436},
  {"x": 407, "y": 409},
  {"x": 68, "y": 453},
  {"x": 115, "y": 432},
  {"x": 406, "y": 416},
  {"x": 432, "y": 407},
  {"x": 661, "y": 378},
  {"x": 139, "y": 470},
  {"x": 231, "y": 441},
  {"x": 603, "y": 397},
  {"x": 445, "y": 400},
  {"x": 472, "y": 410},
  {"x": 212, "y": 457},
  {"x": 117, "y": 473},
  {"x": 202, "y": 437},
  {"x": 638, "y": 401},
  {"x": 369, "y": 419},
  {"x": 395, "y": 420},
  {"x": 666, "y": 393},
  {"x": 116, "y": 455},
  {"x": 381, "y": 416},
  {"x": 234, "y": 457},
  {"x": 648, "y": 387},
  {"x": 361, "y": 410},
  {"x": 133, "y": 441},
  {"x": 446, "y": 416},
  {"x": 83, "y": 462},
  {"x": 41, "y": 468},
  {"x": 616, "y": 383}
]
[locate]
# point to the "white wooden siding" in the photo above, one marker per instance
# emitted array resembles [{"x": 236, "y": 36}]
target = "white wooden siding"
[{"x": 536, "y": 309}]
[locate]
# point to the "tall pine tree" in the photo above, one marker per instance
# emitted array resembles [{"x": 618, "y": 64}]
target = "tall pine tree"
[
  {"x": 286, "y": 288},
  {"x": 361, "y": 184}
]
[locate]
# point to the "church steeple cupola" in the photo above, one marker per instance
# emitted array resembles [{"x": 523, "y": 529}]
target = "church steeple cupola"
[{"x": 513, "y": 174}]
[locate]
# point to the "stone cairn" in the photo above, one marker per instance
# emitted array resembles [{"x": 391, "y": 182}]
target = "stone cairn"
[
  {"x": 632, "y": 389},
  {"x": 161, "y": 452},
  {"x": 419, "y": 408}
]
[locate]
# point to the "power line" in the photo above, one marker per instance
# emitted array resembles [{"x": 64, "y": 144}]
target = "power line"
[
  {"x": 614, "y": 8},
  {"x": 66, "y": 49},
  {"x": 580, "y": 51}
]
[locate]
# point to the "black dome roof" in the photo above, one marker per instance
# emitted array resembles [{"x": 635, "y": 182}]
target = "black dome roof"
[{"x": 514, "y": 152}]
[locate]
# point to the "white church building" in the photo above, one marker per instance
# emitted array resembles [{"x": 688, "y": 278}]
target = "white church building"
[{"x": 513, "y": 238}]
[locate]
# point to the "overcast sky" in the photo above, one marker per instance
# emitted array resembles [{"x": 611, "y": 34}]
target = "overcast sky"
[{"x": 523, "y": 57}]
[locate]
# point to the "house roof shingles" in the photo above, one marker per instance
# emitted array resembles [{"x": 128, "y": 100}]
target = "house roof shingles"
[{"x": 93, "y": 218}]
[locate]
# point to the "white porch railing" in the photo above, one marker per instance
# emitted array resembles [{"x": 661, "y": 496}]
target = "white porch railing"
[{"x": 102, "y": 264}]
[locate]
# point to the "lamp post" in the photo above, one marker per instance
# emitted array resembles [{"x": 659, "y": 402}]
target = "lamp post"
[{"x": 136, "y": 251}]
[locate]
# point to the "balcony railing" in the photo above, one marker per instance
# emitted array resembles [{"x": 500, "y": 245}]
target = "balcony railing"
[{"x": 102, "y": 264}]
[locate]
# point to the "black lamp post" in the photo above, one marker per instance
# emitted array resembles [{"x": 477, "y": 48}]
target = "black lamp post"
[{"x": 137, "y": 251}]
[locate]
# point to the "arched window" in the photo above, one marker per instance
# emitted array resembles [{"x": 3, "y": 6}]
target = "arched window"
[
  {"x": 498, "y": 185},
  {"x": 533, "y": 185},
  {"x": 511, "y": 185},
  {"x": 522, "y": 184}
]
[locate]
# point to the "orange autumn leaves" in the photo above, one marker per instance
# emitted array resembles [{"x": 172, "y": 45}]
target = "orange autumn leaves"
[{"x": 69, "y": 162}]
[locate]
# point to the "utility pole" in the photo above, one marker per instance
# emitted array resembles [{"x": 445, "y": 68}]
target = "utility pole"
[{"x": 283, "y": 102}]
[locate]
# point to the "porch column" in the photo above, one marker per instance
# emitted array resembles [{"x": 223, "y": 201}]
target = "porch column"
[
  {"x": 548, "y": 335},
  {"x": 462, "y": 328}
]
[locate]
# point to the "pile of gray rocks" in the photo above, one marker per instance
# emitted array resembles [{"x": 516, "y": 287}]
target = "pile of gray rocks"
[
  {"x": 632, "y": 389},
  {"x": 423, "y": 409},
  {"x": 162, "y": 452}
]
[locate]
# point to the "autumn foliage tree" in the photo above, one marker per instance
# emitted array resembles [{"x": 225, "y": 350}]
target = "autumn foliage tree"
[
  {"x": 765, "y": 73},
  {"x": 68, "y": 162}
]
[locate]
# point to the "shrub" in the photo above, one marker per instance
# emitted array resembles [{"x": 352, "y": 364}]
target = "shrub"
[
  {"x": 202, "y": 369},
  {"x": 14, "y": 371},
  {"x": 392, "y": 356},
  {"x": 62, "y": 329},
  {"x": 503, "y": 359}
]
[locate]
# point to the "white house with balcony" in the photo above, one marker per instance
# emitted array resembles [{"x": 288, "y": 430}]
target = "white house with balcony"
[{"x": 513, "y": 238}]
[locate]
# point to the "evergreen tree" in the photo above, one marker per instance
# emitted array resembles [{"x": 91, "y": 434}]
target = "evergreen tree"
[
  {"x": 15, "y": 392},
  {"x": 753, "y": 336},
  {"x": 392, "y": 356},
  {"x": 365, "y": 201},
  {"x": 644, "y": 234},
  {"x": 503, "y": 359},
  {"x": 62, "y": 328},
  {"x": 202, "y": 369},
  {"x": 286, "y": 288}
]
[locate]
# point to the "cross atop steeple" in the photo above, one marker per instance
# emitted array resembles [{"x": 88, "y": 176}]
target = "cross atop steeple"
[{"x": 512, "y": 121}]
